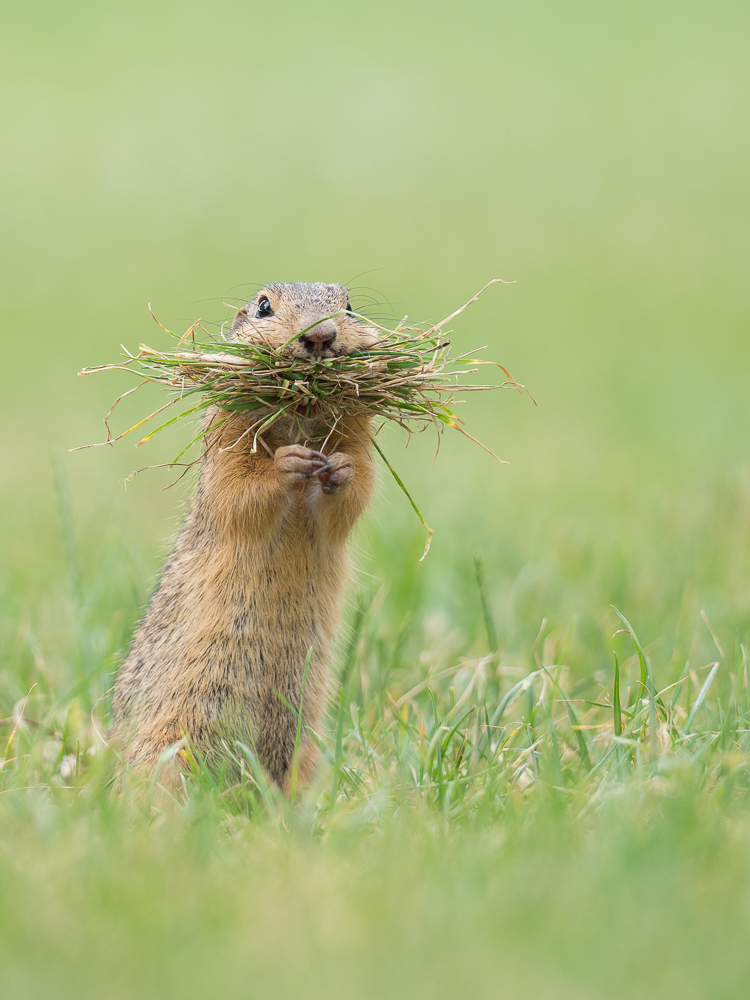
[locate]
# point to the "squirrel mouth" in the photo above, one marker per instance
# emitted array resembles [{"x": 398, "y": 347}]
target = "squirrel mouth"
[{"x": 308, "y": 411}]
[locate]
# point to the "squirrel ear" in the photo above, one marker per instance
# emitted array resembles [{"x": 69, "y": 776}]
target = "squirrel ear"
[{"x": 239, "y": 321}]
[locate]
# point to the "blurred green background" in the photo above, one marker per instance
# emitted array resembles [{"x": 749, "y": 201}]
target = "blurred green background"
[{"x": 597, "y": 155}]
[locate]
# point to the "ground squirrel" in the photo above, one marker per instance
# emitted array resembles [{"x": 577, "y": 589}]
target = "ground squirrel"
[{"x": 257, "y": 574}]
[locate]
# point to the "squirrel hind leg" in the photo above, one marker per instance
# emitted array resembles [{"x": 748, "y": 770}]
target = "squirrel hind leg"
[{"x": 277, "y": 760}]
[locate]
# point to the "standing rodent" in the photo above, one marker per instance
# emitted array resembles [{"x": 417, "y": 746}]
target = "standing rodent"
[{"x": 257, "y": 574}]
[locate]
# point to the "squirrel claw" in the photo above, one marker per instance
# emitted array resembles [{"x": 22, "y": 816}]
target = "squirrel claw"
[
  {"x": 337, "y": 473},
  {"x": 295, "y": 463}
]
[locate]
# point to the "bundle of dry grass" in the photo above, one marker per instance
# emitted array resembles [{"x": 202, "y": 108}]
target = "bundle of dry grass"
[{"x": 408, "y": 377}]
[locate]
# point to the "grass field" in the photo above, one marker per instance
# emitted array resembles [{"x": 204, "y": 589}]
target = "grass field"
[{"x": 478, "y": 825}]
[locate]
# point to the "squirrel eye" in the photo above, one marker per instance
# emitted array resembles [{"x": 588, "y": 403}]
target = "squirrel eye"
[
  {"x": 264, "y": 308},
  {"x": 348, "y": 306}
]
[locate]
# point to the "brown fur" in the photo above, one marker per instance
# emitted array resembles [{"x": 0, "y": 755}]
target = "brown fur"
[{"x": 257, "y": 574}]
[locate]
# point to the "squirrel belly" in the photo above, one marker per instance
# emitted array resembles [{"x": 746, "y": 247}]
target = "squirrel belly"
[{"x": 255, "y": 581}]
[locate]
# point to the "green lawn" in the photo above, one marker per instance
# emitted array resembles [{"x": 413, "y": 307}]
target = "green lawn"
[{"x": 474, "y": 828}]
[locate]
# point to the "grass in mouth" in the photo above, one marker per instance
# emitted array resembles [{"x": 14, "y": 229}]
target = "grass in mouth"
[{"x": 409, "y": 376}]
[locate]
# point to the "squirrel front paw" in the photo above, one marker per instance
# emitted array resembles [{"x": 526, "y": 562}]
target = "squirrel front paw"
[
  {"x": 296, "y": 464},
  {"x": 337, "y": 473}
]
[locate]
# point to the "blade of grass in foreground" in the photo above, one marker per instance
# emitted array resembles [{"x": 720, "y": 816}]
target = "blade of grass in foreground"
[
  {"x": 617, "y": 712},
  {"x": 575, "y": 725},
  {"x": 648, "y": 683},
  {"x": 489, "y": 624},
  {"x": 701, "y": 697}
]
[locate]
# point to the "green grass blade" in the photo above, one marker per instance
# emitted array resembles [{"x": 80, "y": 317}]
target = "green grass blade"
[
  {"x": 575, "y": 724},
  {"x": 204, "y": 404},
  {"x": 616, "y": 710},
  {"x": 408, "y": 497},
  {"x": 648, "y": 683},
  {"x": 489, "y": 624},
  {"x": 701, "y": 697}
]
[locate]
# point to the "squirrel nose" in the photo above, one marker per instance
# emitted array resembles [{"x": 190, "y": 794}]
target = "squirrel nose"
[{"x": 323, "y": 333}]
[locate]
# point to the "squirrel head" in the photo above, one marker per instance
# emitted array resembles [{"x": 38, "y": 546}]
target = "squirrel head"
[{"x": 314, "y": 321}]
